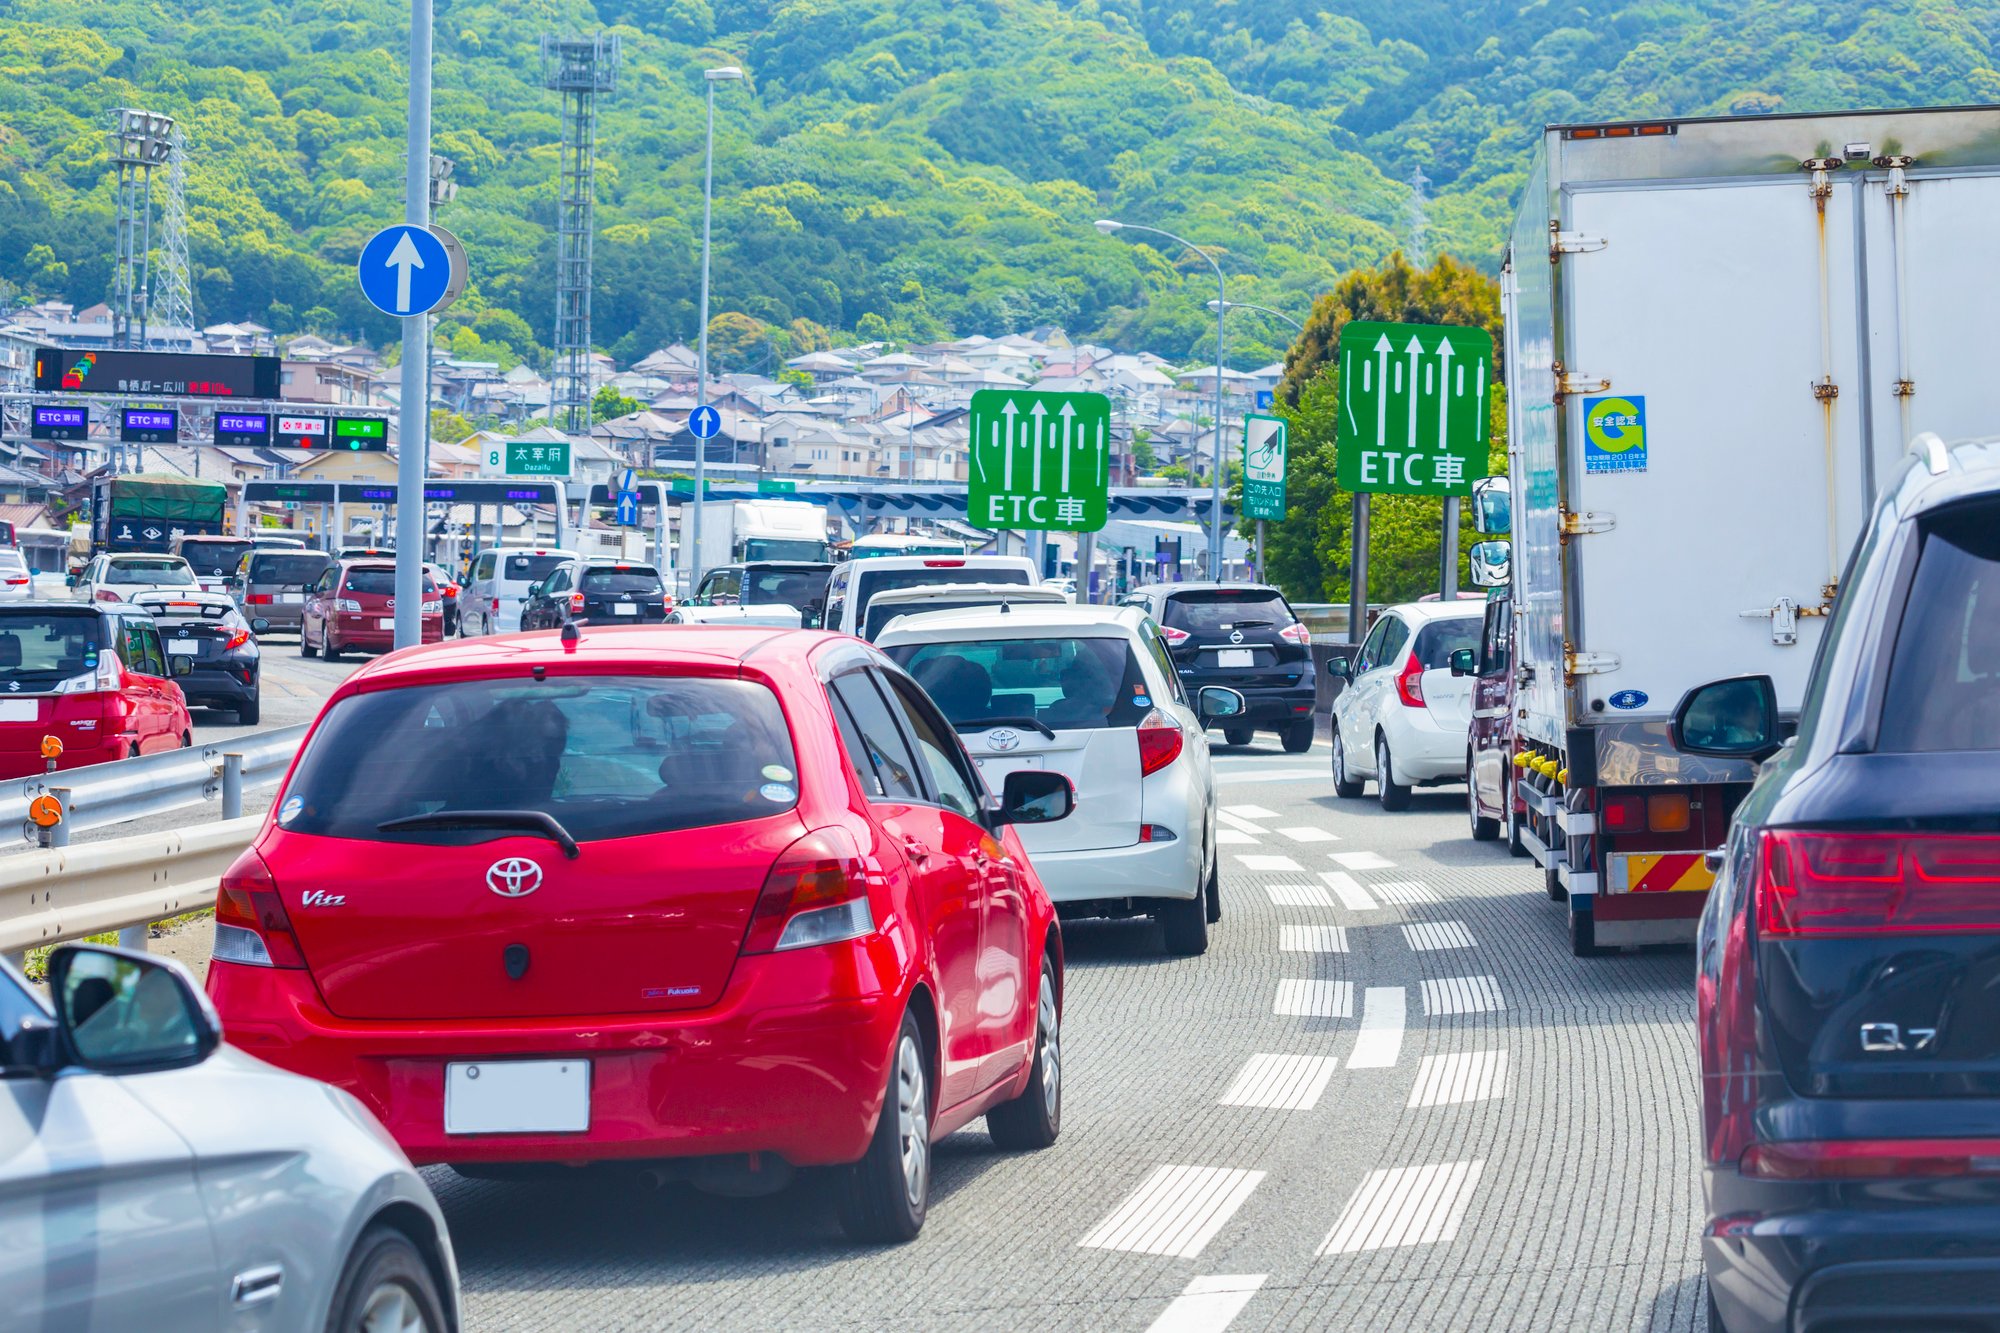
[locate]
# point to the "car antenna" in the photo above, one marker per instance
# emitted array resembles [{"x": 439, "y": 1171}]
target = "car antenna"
[{"x": 570, "y": 636}]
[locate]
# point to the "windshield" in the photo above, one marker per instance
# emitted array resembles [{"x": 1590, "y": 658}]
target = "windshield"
[
  {"x": 1065, "y": 684},
  {"x": 378, "y": 581},
  {"x": 531, "y": 568},
  {"x": 604, "y": 756},
  {"x": 868, "y": 582},
  {"x": 619, "y": 582},
  {"x": 39, "y": 648},
  {"x": 773, "y": 548},
  {"x": 881, "y": 613},
  {"x": 286, "y": 570},
  {"x": 166, "y": 572},
  {"x": 214, "y": 559},
  {"x": 1437, "y": 641},
  {"x": 1228, "y": 609},
  {"x": 794, "y": 588}
]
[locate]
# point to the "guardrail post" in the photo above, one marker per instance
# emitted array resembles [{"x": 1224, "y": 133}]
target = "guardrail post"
[{"x": 232, "y": 786}]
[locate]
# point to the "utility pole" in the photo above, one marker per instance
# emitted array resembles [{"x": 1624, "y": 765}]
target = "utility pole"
[{"x": 413, "y": 417}]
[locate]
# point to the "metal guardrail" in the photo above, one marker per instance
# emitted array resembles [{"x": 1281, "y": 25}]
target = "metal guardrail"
[
  {"x": 66, "y": 893},
  {"x": 99, "y": 795}
]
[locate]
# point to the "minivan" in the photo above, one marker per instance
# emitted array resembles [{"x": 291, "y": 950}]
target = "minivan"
[
  {"x": 271, "y": 585},
  {"x": 500, "y": 582}
]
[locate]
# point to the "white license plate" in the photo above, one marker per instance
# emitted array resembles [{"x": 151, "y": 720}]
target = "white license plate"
[
  {"x": 1003, "y": 764},
  {"x": 387, "y": 623},
  {"x": 182, "y": 647},
  {"x": 517, "y": 1097},
  {"x": 622, "y": 609},
  {"x": 291, "y": 597},
  {"x": 1229, "y": 657},
  {"x": 19, "y": 710}
]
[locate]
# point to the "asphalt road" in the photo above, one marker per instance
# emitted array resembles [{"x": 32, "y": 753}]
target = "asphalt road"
[{"x": 1452, "y": 1124}]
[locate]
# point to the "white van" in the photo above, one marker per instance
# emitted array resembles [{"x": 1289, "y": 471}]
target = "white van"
[
  {"x": 499, "y": 582},
  {"x": 856, "y": 581}
]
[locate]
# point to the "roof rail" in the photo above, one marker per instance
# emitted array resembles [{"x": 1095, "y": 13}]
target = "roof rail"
[{"x": 1931, "y": 449}]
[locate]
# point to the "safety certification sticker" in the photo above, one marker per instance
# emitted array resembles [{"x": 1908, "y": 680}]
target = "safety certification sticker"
[{"x": 1614, "y": 434}]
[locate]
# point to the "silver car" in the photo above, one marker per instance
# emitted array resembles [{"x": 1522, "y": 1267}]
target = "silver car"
[{"x": 152, "y": 1178}]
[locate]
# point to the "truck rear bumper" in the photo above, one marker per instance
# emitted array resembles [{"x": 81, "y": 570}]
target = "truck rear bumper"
[{"x": 1642, "y": 918}]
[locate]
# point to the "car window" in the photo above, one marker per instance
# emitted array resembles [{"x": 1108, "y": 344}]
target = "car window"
[
  {"x": 1064, "y": 683},
  {"x": 618, "y": 581},
  {"x": 482, "y": 568},
  {"x": 1226, "y": 609},
  {"x": 170, "y": 572},
  {"x": 1944, "y": 676},
  {"x": 1149, "y": 633},
  {"x": 377, "y": 581},
  {"x": 951, "y": 777},
  {"x": 794, "y": 588},
  {"x": 284, "y": 569},
  {"x": 38, "y": 649},
  {"x": 139, "y": 648},
  {"x": 1438, "y": 640},
  {"x": 723, "y": 588},
  {"x": 1496, "y": 636},
  {"x": 868, "y": 582},
  {"x": 156, "y": 652},
  {"x": 605, "y": 756},
  {"x": 880, "y": 756},
  {"x": 1371, "y": 647},
  {"x": 1395, "y": 634},
  {"x": 531, "y": 568},
  {"x": 556, "y": 582}
]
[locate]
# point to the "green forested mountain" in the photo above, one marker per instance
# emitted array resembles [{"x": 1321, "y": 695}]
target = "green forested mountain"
[{"x": 911, "y": 165}]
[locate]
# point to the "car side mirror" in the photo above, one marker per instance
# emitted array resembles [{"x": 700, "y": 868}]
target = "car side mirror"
[
  {"x": 1035, "y": 796},
  {"x": 1735, "y": 718},
  {"x": 1217, "y": 701},
  {"x": 259, "y": 625},
  {"x": 1342, "y": 667},
  {"x": 124, "y": 1012},
  {"x": 1464, "y": 662},
  {"x": 182, "y": 666}
]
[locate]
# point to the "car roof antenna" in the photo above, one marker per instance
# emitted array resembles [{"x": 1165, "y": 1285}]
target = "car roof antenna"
[{"x": 570, "y": 636}]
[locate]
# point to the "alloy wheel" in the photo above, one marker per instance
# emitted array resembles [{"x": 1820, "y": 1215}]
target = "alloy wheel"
[
  {"x": 913, "y": 1122},
  {"x": 391, "y": 1308},
  {"x": 1051, "y": 1037}
]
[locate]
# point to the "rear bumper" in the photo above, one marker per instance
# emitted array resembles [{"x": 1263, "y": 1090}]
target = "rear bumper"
[
  {"x": 1143, "y": 870},
  {"x": 282, "y": 617},
  {"x": 346, "y": 636},
  {"x": 219, "y": 685},
  {"x": 1420, "y": 748}
]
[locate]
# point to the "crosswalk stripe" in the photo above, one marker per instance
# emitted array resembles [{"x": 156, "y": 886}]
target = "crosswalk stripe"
[
  {"x": 1208, "y": 1304},
  {"x": 1404, "y": 1205},
  {"x": 1425, "y": 935},
  {"x": 1298, "y": 895},
  {"x": 1309, "y": 834},
  {"x": 1229, "y": 837},
  {"x": 1175, "y": 1211},
  {"x": 1314, "y": 999},
  {"x": 1474, "y": 1076},
  {"x": 1267, "y": 862},
  {"x": 1362, "y": 861},
  {"x": 1281, "y": 1082},
  {"x": 1405, "y": 891},
  {"x": 1312, "y": 939},
  {"x": 1348, "y": 889},
  {"x": 1381, "y": 1039},
  {"x": 1248, "y": 812},
  {"x": 1462, "y": 995}
]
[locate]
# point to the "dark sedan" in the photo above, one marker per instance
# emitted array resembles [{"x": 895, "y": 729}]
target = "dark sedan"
[
  {"x": 597, "y": 592},
  {"x": 225, "y": 663}
]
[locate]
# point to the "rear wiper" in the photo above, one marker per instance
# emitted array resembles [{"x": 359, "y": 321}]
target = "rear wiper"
[
  {"x": 533, "y": 821},
  {"x": 984, "y": 723}
]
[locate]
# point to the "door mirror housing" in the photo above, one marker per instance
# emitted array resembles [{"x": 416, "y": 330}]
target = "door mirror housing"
[
  {"x": 1219, "y": 701},
  {"x": 1734, "y": 718},
  {"x": 1464, "y": 662},
  {"x": 1490, "y": 563},
  {"x": 1035, "y": 796},
  {"x": 181, "y": 666},
  {"x": 1492, "y": 507},
  {"x": 259, "y": 625},
  {"x": 1342, "y": 667},
  {"x": 119, "y": 1012}
]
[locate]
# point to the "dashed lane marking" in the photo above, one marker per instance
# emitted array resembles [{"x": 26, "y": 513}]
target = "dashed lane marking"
[
  {"x": 1462, "y": 995},
  {"x": 1229, "y": 837},
  {"x": 1312, "y": 939},
  {"x": 1268, "y": 862},
  {"x": 1348, "y": 889},
  {"x": 1281, "y": 1082},
  {"x": 1208, "y": 1304},
  {"x": 1404, "y": 1205},
  {"x": 1474, "y": 1076},
  {"x": 1239, "y": 823},
  {"x": 1176, "y": 1211},
  {"x": 1362, "y": 861},
  {"x": 1405, "y": 891},
  {"x": 1381, "y": 1039},
  {"x": 1270, "y": 775},
  {"x": 1298, "y": 895},
  {"x": 1309, "y": 834},
  {"x": 1439, "y": 935},
  {"x": 1314, "y": 999},
  {"x": 1248, "y": 812}
]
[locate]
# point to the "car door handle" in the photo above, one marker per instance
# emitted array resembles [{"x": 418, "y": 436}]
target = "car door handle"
[
  {"x": 919, "y": 851},
  {"x": 255, "y": 1286}
]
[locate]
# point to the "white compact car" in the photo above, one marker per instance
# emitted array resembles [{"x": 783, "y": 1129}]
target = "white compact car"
[
  {"x": 1090, "y": 692},
  {"x": 116, "y": 577},
  {"x": 1403, "y": 718}
]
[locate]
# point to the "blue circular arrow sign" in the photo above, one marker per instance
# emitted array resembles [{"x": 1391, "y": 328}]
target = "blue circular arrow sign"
[
  {"x": 705, "y": 423},
  {"x": 404, "y": 270}
]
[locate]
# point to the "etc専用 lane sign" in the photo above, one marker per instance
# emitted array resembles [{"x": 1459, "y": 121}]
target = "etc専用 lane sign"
[
  {"x": 704, "y": 423},
  {"x": 1040, "y": 461},
  {"x": 1414, "y": 402},
  {"x": 1264, "y": 448},
  {"x": 405, "y": 270}
]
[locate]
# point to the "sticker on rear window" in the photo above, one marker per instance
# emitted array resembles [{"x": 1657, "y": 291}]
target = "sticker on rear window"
[
  {"x": 777, "y": 773},
  {"x": 1630, "y": 699},
  {"x": 776, "y": 791},
  {"x": 290, "y": 809}
]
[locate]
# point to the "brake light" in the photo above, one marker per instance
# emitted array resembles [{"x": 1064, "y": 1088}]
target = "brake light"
[
  {"x": 496, "y": 606},
  {"x": 1823, "y": 883},
  {"x": 1871, "y": 1159},
  {"x": 816, "y": 893},
  {"x": 1174, "y": 637},
  {"x": 1623, "y": 814},
  {"x": 258, "y": 599},
  {"x": 451, "y": 590},
  {"x": 944, "y": 564},
  {"x": 1296, "y": 633},
  {"x": 237, "y": 640},
  {"x": 251, "y": 925},
  {"x": 1410, "y": 683},
  {"x": 576, "y": 601},
  {"x": 106, "y": 595},
  {"x": 1160, "y": 742}
]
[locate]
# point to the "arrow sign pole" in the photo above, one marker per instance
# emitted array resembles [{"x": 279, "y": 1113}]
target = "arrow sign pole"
[{"x": 404, "y": 258}]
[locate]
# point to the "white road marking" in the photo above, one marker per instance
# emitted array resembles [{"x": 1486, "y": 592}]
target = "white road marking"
[
  {"x": 1248, "y": 812},
  {"x": 1270, "y": 775},
  {"x": 1298, "y": 895},
  {"x": 1312, "y": 939},
  {"x": 1281, "y": 1082},
  {"x": 1229, "y": 837},
  {"x": 1404, "y": 891},
  {"x": 1176, "y": 1211},
  {"x": 1208, "y": 1304},
  {"x": 1309, "y": 834},
  {"x": 1362, "y": 861},
  {"x": 1462, "y": 995},
  {"x": 1439, "y": 935},
  {"x": 1404, "y": 1205},
  {"x": 1348, "y": 889},
  {"x": 1476, "y": 1076},
  {"x": 1239, "y": 823},
  {"x": 1314, "y": 999},
  {"x": 1381, "y": 1039},
  {"x": 1268, "y": 862}
]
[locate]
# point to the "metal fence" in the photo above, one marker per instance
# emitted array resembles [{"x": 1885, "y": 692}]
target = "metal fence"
[{"x": 104, "y": 794}]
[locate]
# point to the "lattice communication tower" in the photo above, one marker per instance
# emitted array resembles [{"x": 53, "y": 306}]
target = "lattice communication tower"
[{"x": 579, "y": 68}]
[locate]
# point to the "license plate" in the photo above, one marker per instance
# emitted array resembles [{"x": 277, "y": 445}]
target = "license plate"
[
  {"x": 182, "y": 647},
  {"x": 517, "y": 1097},
  {"x": 388, "y": 623},
  {"x": 1007, "y": 763},
  {"x": 291, "y": 597},
  {"x": 19, "y": 710},
  {"x": 1229, "y": 657},
  {"x": 623, "y": 609}
]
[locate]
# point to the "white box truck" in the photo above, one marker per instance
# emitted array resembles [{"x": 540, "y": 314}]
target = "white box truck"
[
  {"x": 1719, "y": 334},
  {"x": 733, "y": 531}
]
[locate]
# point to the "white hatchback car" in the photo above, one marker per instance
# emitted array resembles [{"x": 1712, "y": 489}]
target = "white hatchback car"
[
  {"x": 1090, "y": 692},
  {"x": 1403, "y": 717}
]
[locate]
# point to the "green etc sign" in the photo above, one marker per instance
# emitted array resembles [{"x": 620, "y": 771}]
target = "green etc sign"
[
  {"x": 1413, "y": 408},
  {"x": 1040, "y": 461}
]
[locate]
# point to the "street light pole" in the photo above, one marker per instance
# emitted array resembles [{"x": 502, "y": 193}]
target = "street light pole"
[
  {"x": 692, "y": 532},
  {"x": 1221, "y": 304}
]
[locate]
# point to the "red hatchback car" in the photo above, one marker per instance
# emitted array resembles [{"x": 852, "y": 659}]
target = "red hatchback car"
[
  {"x": 95, "y": 676},
  {"x": 354, "y": 606},
  {"x": 730, "y": 900}
]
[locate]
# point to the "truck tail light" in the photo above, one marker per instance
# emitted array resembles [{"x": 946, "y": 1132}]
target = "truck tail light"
[
  {"x": 1623, "y": 814},
  {"x": 251, "y": 924},
  {"x": 1160, "y": 742},
  {"x": 1410, "y": 683},
  {"x": 816, "y": 893},
  {"x": 1824, "y": 883},
  {"x": 1296, "y": 633}
]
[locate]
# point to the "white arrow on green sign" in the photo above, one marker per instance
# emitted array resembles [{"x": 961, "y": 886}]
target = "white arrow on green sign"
[
  {"x": 1413, "y": 408},
  {"x": 1040, "y": 461}
]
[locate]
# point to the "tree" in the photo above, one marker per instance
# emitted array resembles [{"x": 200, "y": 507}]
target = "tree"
[
  {"x": 1144, "y": 460},
  {"x": 610, "y": 404}
]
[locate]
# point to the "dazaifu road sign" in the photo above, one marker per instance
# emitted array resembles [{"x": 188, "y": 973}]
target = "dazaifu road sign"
[
  {"x": 538, "y": 458},
  {"x": 1040, "y": 461},
  {"x": 1413, "y": 408},
  {"x": 1265, "y": 441},
  {"x": 405, "y": 270}
]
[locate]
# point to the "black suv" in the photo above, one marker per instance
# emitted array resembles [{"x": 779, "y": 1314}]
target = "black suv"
[
  {"x": 596, "y": 592},
  {"x": 1245, "y": 636},
  {"x": 1847, "y": 991}
]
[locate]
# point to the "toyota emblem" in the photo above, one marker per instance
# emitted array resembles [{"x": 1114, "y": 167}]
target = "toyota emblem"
[
  {"x": 1002, "y": 740},
  {"x": 515, "y": 877},
  {"x": 1236, "y": 636}
]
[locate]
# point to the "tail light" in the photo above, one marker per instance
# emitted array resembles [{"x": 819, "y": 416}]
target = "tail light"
[
  {"x": 451, "y": 590},
  {"x": 1160, "y": 742},
  {"x": 944, "y": 564},
  {"x": 432, "y": 608},
  {"x": 1157, "y": 833},
  {"x": 15, "y": 583},
  {"x": 347, "y": 604},
  {"x": 1872, "y": 1159},
  {"x": 1726, "y": 1025},
  {"x": 1410, "y": 683},
  {"x": 1823, "y": 883},
  {"x": 106, "y": 595},
  {"x": 251, "y": 924},
  {"x": 1296, "y": 633},
  {"x": 816, "y": 893},
  {"x": 105, "y": 676},
  {"x": 236, "y": 640},
  {"x": 1660, "y": 812},
  {"x": 496, "y": 606},
  {"x": 1174, "y": 637},
  {"x": 259, "y": 599},
  {"x": 1623, "y": 814},
  {"x": 575, "y": 602}
]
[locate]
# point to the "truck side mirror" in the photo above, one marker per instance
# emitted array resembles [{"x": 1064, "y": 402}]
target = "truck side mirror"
[
  {"x": 1490, "y": 563},
  {"x": 1492, "y": 507}
]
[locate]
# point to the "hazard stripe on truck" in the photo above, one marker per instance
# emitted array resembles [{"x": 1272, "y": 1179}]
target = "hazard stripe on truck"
[{"x": 1659, "y": 872}]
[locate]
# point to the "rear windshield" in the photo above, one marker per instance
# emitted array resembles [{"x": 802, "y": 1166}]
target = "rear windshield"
[
  {"x": 1064, "y": 684},
  {"x": 616, "y": 582},
  {"x": 1228, "y": 609},
  {"x": 868, "y": 582},
  {"x": 214, "y": 558},
  {"x": 605, "y": 756},
  {"x": 39, "y": 648},
  {"x": 286, "y": 570},
  {"x": 379, "y": 582},
  {"x": 531, "y": 568},
  {"x": 168, "y": 571},
  {"x": 774, "y": 587},
  {"x": 881, "y": 613},
  {"x": 1944, "y": 679},
  {"x": 1437, "y": 641}
]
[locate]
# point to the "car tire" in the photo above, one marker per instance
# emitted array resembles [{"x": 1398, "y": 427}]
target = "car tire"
[
  {"x": 386, "y": 1284},
  {"x": 327, "y": 651},
  {"x": 1583, "y": 935},
  {"x": 1483, "y": 829},
  {"x": 1239, "y": 735},
  {"x": 1298, "y": 736},
  {"x": 1185, "y": 921},
  {"x": 1031, "y": 1121},
  {"x": 1213, "y": 893},
  {"x": 1394, "y": 795},
  {"x": 305, "y": 644},
  {"x": 885, "y": 1195},
  {"x": 1512, "y": 818},
  {"x": 248, "y": 714},
  {"x": 1343, "y": 785}
]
